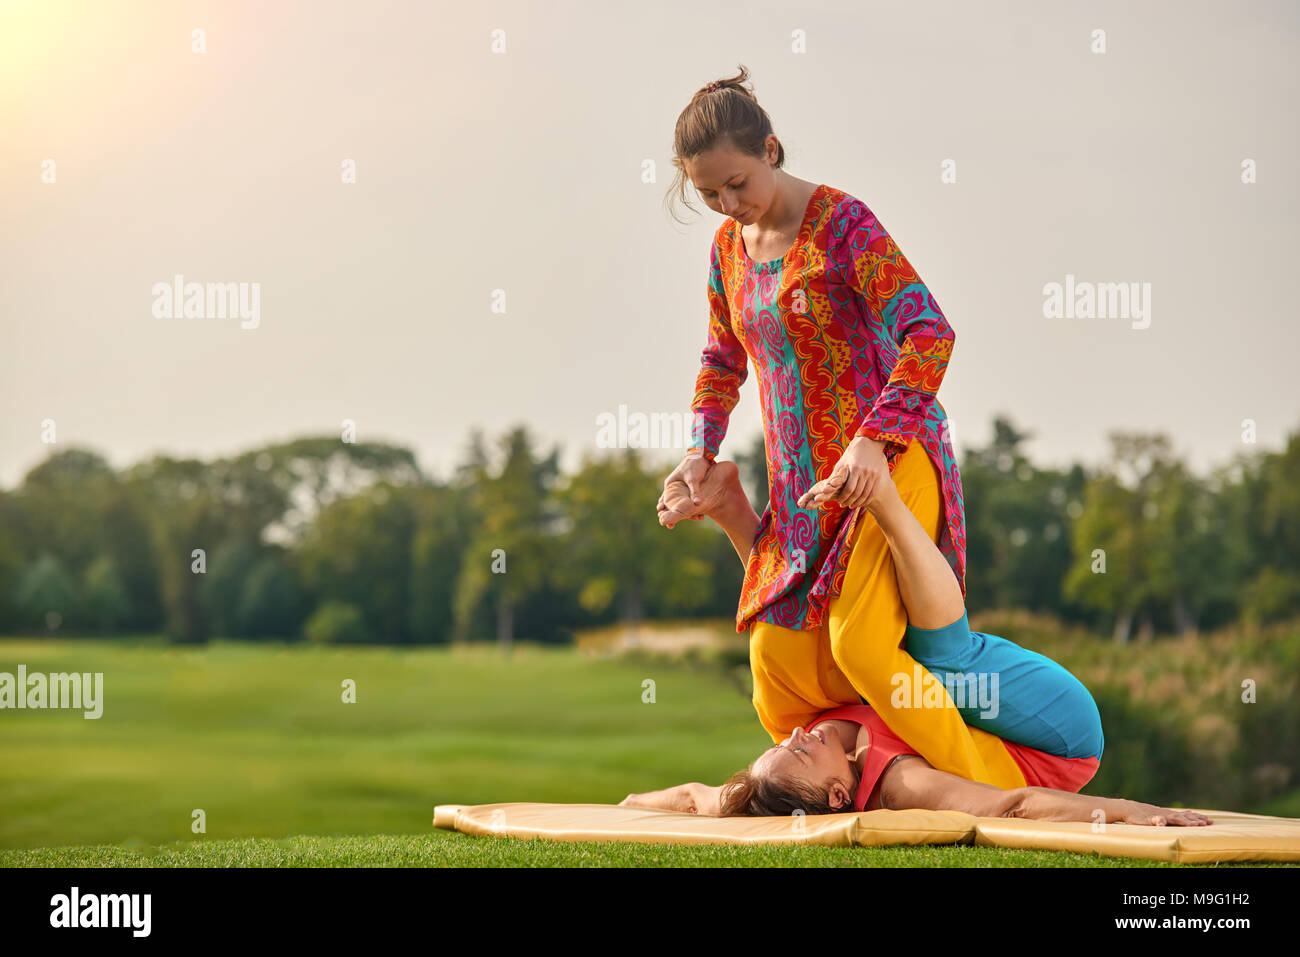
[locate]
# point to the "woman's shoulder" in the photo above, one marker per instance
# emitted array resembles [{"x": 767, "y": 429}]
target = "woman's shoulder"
[
  {"x": 842, "y": 203},
  {"x": 845, "y": 217}
]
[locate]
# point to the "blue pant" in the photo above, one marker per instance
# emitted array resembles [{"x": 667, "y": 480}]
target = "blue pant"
[{"x": 1035, "y": 701}]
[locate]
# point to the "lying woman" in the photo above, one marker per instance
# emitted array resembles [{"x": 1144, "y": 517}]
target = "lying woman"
[{"x": 1040, "y": 716}]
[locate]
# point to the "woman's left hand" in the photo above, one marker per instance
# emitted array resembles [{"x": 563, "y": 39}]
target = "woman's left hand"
[{"x": 858, "y": 472}]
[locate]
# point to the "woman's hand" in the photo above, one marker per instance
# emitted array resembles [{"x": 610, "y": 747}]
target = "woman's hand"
[
  {"x": 859, "y": 477},
  {"x": 1152, "y": 815},
  {"x": 720, "y": 486},
  {"x": 691, "y": 473},
  {"x": 690, "y": 798}
]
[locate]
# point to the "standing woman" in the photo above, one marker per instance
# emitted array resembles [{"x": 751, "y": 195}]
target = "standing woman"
[{"x": 849, "y": 349}]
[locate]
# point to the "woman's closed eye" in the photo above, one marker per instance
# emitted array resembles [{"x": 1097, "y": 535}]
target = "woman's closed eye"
[{"x": 710, "y": 193}]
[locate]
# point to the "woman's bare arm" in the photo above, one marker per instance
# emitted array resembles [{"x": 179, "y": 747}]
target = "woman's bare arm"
[{"x": 910, "y": 782}]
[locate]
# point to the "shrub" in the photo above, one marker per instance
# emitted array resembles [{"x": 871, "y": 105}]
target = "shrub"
[{"x": 336, "y": 623}]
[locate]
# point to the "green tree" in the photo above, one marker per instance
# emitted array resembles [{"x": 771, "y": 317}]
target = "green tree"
[
  {"x": 222, "y": 589},
  {"x": 443, "y": 525},
  {"x": 1107, "y": 549},
  {"x": 1117, "y": 530},
  {"x": 106, "y": 601},
  {"x": 46, "y": 593},
  {"x": 512, "y": 548},
  {"x": 12, "y": 560},
  {"x": 186, "y": 522},
  {"x": 1018, "y": 543},
  {"x": 358, "y": 551},
  {"x": 279, "y": 489},
  {"x": 1185, "y": 546},
  {"x": 615, "y": 552},
  {"x": 753, "y": 471},
  {"x": 74, "y": 506},
  {"x": 60, "y": 498},
  {"x": 336, "y": 622},
  {"x": 272, "y": 602}
]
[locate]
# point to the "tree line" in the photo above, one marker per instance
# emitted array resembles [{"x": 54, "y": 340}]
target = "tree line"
[{"x": 333, "y": 541}]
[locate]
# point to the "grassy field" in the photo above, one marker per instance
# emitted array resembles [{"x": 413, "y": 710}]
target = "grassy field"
[
  {"x": 450, "y": 849},
  {"x": 258, "y": 738}
]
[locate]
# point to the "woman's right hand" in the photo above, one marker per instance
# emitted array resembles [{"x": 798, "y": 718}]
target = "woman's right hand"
[
  {"x": 692, "y": 472},
  {"x": 720, "y": 488},
  {"x": 882, "y": 495},
  {"x": 851, "y": 481}
]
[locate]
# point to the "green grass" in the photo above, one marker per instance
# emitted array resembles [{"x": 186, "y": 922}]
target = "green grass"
[
  {"x": 257, "y": 737},
  {"x": 451, "y": 849}
]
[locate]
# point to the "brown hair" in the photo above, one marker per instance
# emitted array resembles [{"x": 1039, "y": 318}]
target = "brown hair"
[
  {"x": 749, "y": 795},
  {"x": 728, "y": 113}
]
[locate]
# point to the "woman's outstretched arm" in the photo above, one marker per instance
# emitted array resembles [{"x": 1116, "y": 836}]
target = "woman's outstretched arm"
[{"x": 911, "y": 782}]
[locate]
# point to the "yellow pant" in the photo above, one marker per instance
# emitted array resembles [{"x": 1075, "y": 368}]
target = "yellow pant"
[{"x": 857, "y": 651}]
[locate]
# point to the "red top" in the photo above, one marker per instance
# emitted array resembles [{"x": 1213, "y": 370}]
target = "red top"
[{"x": 1039, "y": 768}]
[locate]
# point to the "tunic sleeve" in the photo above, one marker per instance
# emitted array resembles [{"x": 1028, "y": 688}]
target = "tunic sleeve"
[
  {"x": 723, "y": 369},
  {"x": 903, "y": 307}
]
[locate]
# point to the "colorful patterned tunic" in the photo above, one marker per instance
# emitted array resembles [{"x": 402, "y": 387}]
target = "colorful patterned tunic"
[{"x": 846, "y": 340}]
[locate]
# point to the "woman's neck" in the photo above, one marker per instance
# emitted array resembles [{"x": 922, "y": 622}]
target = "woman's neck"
[
  {"x": 788, "y": 208},
  {"x": 856, "y": 739}
]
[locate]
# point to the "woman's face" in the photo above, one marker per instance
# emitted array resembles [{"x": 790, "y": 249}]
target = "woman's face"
[
  {"x": 733, "y": 183},
  {"x": 819, "y": 758}
]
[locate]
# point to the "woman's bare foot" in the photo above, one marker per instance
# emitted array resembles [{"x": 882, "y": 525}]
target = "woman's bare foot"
[{"x": 720, "y": 488}]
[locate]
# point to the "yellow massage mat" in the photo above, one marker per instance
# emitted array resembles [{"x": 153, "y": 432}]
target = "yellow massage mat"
[{"x": 1232, "y": 836}]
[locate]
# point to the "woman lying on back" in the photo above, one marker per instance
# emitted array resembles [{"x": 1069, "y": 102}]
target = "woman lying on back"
[{"x": 848, "y": 759}]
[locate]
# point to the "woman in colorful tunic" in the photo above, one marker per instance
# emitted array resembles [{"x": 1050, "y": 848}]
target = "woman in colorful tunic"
[{"x": 849, "y": 348}]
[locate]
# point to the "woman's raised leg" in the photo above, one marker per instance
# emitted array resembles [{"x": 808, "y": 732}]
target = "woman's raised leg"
[
  {"x": 867, "y": 627},
  {"x": 996, "y": 687},
  {"x": 1010, "y": 691}
]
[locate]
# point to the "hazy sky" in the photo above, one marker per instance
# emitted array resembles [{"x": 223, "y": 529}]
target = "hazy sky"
[{"x": 522, "y": 171}]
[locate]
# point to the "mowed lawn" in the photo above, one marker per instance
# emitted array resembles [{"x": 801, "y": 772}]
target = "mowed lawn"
[{"x": 258, "y": 737}]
